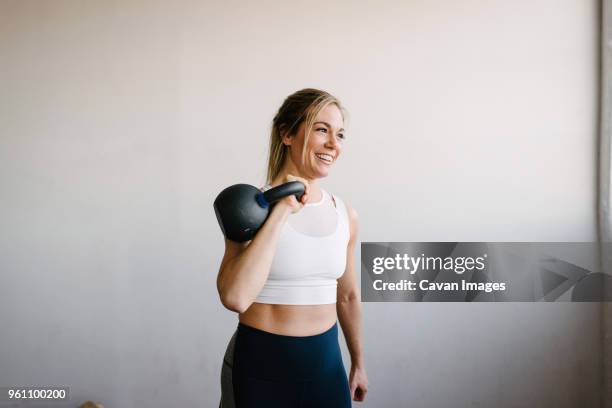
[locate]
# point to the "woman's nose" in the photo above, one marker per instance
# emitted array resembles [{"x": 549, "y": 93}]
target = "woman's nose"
[{"x": 333, "y": 140}]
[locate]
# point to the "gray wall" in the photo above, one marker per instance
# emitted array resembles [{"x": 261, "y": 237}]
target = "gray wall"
[{"x": 471, "y": 120}]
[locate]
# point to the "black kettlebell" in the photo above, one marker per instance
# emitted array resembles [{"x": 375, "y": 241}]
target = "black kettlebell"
[{"x": 242, "y": 209}]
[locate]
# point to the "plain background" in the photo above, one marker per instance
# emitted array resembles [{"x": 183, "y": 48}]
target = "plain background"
[{"x": 120, "y": 121}]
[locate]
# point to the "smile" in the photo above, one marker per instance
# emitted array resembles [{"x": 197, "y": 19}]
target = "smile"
[{"x": 325, "y": 158}]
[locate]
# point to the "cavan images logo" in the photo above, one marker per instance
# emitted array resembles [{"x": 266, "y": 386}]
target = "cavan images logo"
[{"x": 489, "y": 272}]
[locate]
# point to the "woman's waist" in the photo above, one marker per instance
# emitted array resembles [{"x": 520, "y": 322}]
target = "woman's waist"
[
  {"x": 290, "y": 320},
  {"x": 264, "y": 355}
]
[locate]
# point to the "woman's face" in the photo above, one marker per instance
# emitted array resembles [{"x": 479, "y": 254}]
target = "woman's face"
[{"x": 324, "y": 145}]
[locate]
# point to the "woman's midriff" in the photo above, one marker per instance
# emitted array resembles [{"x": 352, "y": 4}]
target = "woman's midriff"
[{"x": 290, "y": 320}]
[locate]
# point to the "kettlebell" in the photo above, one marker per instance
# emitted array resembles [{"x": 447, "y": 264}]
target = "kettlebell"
[{"x": 242, "y": 209}]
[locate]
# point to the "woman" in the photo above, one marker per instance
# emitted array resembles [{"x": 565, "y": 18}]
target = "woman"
[{"x": 296, "y": 278}]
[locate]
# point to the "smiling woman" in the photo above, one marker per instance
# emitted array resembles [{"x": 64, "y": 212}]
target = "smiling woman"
[
  {"x": 322, "y": 143},
  {"x": 296, "y": 279}
]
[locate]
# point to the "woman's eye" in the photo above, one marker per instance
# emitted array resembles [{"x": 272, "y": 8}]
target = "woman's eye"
[{"x": 340, "y": 135}]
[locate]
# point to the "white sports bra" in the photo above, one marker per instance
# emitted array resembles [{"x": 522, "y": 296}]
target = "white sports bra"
[{"x": 310, "y": 255}]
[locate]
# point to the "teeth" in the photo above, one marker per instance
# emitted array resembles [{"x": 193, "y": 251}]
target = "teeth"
[{"x": 326, "y": 157}]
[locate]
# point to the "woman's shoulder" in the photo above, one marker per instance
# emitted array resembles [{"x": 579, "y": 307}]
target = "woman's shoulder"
[
  {"x": 349, "y": 214},
  {"x": 334, "y": 197},
  {"x": 344, "y": 205},
  {"x": 341, "y": 204}
]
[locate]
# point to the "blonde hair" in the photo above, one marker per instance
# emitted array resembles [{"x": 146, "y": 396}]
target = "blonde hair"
[{"x": 300, "y": 107}]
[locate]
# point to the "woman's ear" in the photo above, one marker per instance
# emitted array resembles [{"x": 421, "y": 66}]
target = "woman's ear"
[{"x": 286, "y": 138}]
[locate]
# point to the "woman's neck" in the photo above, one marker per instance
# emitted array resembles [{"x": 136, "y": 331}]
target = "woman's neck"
[{"x": 291, "y": 168}]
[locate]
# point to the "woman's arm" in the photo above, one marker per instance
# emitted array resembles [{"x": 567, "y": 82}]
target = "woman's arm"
[
  {"x": 348, "y": 307},
  {"x": 245, "y": 266}
]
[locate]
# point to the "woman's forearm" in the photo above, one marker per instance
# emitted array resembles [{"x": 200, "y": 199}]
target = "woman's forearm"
[
  {"x": 243, "y": 277},
  {"x": 349, "y": 315}
]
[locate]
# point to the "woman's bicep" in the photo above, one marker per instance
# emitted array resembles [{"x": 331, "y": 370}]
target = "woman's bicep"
[{"x": 232, "y": 250}]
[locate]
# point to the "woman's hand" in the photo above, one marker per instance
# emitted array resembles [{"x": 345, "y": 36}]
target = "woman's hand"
[
  {"x": 358, "y": 382},
  {"x": 290, "y": 201}
]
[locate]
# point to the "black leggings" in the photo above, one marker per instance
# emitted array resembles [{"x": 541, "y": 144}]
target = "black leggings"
[{"x": 268, "y": 370}]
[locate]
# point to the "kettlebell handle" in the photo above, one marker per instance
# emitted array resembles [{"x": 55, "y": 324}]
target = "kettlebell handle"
[{"x": 271, "y": 196}]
